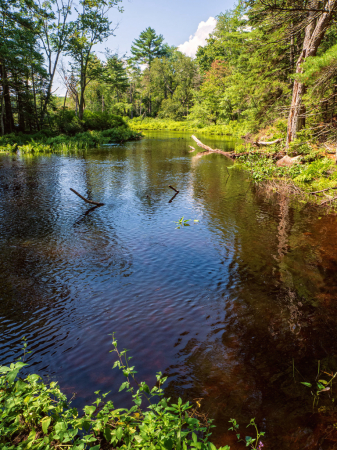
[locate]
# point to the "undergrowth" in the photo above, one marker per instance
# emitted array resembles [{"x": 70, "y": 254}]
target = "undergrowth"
[
  {"x": 42, "y": 143},
  {"x": 233, "y": 128},
  {"x": 38, "y": 416}
]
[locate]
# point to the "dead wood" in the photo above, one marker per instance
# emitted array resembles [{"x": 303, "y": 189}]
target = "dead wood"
[
  {"x": 323, "y": 190},
  {"x": 173, "y": 189},
  {"x": 329, "y": 200},
  {"x": 85, "y": 199},
  {"x": 258, "y": 143},
  {"x": 209, "y": 149},
  {"x": 193, "y": 149},
  {"x": 233, "y": 155},
  {"x": 171, "y": 200}
]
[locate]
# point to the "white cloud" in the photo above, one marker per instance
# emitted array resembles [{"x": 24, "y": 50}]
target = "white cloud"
[{"x": 190, "y": 47}]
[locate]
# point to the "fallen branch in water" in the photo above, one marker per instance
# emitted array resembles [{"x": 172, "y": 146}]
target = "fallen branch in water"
[
  {"x": 233, "y": 155},
  {"x": 175, "y": 190},
  {"x": 171, "y": 200},
  {"x": 85, "y": 199},
  {"x": 193, "y": 149},
  {"x": 323, "y": 190},
  {"x": 209, "y": 149}
]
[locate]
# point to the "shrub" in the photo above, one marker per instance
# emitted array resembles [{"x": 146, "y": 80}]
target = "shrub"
[{"x": 37, "y": 416}]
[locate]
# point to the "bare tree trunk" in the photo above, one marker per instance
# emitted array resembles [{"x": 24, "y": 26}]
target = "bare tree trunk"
[{"x": 314, "y": 34}]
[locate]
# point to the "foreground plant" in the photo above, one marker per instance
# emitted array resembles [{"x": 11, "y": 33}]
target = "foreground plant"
[
  {"x": 37, "y": 416},
  {"x": 254, "y": 443}
]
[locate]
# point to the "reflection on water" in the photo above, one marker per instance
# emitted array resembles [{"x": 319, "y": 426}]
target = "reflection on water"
[{"x": 236, "y": 308}]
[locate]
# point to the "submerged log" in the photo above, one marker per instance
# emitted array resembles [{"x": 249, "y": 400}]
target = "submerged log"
[{"x": 85, "y": 199}]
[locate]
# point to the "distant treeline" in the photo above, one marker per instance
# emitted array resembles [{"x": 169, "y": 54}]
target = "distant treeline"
[{"x": 266, "y": 61}]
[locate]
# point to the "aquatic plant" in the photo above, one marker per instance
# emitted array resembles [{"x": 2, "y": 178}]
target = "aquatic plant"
[
  {"x": 38, "y": 416},
  {"x": 320, "y": 384},
  {"x": 184, "y": 222},
  {"x": 254, "y": 443}
]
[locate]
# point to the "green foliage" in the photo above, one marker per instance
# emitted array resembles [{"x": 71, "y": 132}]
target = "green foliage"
[
  {"x": 254, "y": 443},
  {"x": 37, "y": 416},
  {"x": 233, "y": 128},
  {"x": 322, "y": 385},
  {"x": 148, "y": 46}
]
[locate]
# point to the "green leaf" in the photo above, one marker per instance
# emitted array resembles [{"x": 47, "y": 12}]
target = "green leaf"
[
  {"x": 89, "y": 410},
  {"x": 119, "y": 433},
  {"x": 45, "y": 424},
  {"x": 123, "y": 386},
  {"x": 194, "y": 437},
  {"x": 323, "y": 381},
  {"x": 306, "y": 384}
]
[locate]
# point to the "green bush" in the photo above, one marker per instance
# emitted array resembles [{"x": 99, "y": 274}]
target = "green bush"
[
  {"x": 37, "y": 416},
  {"x": 101, "y": 121}
]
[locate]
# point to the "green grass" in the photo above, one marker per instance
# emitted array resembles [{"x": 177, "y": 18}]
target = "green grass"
[
  {"x": 40, "y": 143},
  {"x": 234, "y": 128}
]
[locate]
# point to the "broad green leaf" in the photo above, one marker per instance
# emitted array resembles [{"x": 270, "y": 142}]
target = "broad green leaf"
[
  {"x": 45, "y": 424},
  {"x": 89, "y": 410},
  {"x": 119, "y": 433}
]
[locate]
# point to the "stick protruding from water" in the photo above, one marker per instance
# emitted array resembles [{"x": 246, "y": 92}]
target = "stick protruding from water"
[{"x": 85, "y": 199}]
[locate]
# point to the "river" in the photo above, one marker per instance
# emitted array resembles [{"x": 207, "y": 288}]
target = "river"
[{"x": 236, "y": 309}]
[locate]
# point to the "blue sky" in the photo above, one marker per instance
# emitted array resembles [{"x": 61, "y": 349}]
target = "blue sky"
[{"x": 176, "y": 20}]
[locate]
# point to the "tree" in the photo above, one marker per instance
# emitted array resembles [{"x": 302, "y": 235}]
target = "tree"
[
  {"x": 148, "y": 46},
  {"x": 91, "y": 27},
  {"x": 115, "y": 75},
  {"x": 21, "y": 66},
  {"x": 315, "y": 17},
  {"x": 53, "y": 31}
]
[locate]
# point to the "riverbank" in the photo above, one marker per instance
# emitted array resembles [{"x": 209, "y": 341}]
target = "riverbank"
[
  {"x": 68, "y": 133},
  {"x": 234, "y": 128},
  {"x": 306, "y": 170}
]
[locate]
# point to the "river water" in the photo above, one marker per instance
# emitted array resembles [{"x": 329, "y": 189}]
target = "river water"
[{"x": 237, "y": 308}]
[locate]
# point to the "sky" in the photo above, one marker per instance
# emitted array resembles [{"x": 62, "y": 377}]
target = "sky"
[
  {"x": 184, "y": 23},
  {"x": 177, "y": 20}
]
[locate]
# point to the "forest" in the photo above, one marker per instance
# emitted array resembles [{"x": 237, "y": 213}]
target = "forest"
[{"x": 266, "y": 62}]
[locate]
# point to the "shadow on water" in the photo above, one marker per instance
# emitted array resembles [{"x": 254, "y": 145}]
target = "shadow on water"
[{"x": 236, "y": 309}]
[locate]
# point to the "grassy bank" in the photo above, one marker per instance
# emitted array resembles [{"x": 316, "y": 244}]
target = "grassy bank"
[
  {"x": 38, "y": 416},
  {"x": 312, "y": 164},
  {"x": 233, "y": 128},
  {"x": 68, "y": 133}
]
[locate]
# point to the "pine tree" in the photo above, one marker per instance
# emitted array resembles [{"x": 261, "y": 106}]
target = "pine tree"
[{"x": 148, "y": 47}]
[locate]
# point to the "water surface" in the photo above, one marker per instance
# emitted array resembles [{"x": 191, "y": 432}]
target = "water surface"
[{"x": 236, "y": 309}]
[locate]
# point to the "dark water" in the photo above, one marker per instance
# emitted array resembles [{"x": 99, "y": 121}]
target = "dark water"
[{"x": 236, "y": 309}]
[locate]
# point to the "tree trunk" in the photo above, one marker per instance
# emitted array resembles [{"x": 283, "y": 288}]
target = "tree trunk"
[
  {"x": 9, "y": 120},
  {"x": 2, "y": 114},
  {"x": 314, "y": 34}
]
